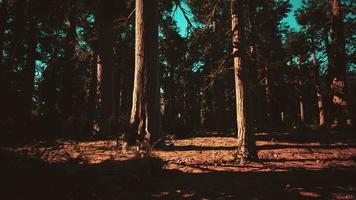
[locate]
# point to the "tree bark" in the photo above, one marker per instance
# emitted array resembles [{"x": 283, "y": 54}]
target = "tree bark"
[
  {"x": 245, "y": 134},
  {"x": 339, "y": 83},
  {"x": 145, "y": 114}
]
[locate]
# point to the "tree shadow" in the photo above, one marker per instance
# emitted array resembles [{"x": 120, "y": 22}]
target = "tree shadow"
[
  {"x": 323, "y": 137},
  {"x": 352, "y": 158},
  {"x": 197, "y": 148},
  {"x": 301, "y": 146},
  {"x": 208, "y": 134},
  {"x": 23, "y": 177}
]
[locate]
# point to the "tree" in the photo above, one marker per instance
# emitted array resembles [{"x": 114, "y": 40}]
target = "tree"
[
  {"x": 69, "y": 63},
  {"x": 297, "y": 44},
  {"x": 313, "y": 17},
  {"x": 245, "y": 134},
  {"x": 339, "y": 83},
  {"x": 145, "y": 114},
  {"x": 106, "y": 57}
]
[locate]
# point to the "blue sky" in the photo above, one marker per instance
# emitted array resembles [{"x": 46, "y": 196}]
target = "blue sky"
[{"x": 290, "y": 19}]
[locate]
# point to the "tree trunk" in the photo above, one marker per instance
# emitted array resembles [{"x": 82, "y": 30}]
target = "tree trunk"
[
  {"x": 300, "y": 85},
  {"x": 319, "y": 95},
  {"x": 145, "y": 114},
  {"x": 253, "y": 62},
  {"x": 339, "y": 80},
  {"x": 95, "y": 97},
  {"x": 106, "y": 54},
  {"x": 245, "y": 134},
  {"x": 268, "y": 103}
]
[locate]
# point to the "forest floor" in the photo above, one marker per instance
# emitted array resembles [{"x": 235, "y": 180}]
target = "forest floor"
[{"x": 305, "y": 165}]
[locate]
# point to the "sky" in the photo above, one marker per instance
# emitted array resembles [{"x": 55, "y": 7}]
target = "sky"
[{"x": 290, "y": 19}]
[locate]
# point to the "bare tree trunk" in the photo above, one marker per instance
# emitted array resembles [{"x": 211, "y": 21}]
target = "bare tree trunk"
[
  {"x": 245, "y": 134},
  {"x": 319, "y": 95},
  {"x": 300, "y": 96},
  {"x": 145, "y": 114},
  {"x": 339, "y": 82}
]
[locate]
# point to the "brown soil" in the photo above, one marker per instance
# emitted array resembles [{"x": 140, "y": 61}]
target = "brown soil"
[{"x": 313, "y": 165}]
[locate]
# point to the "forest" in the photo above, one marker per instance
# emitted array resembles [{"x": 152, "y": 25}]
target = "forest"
[{"x": 179, "y": 99}]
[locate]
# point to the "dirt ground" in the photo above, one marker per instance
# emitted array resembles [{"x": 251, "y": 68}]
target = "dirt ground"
[{"x": 308, "y": 165}]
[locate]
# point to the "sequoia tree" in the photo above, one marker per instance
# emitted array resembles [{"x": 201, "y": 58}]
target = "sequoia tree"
[{"x": 145, "y": 119}]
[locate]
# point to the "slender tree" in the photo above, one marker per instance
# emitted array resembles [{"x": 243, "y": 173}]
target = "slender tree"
[
  {"x": 245, "y": 134},
  {"x": 106, "y": 56},
  {"x": 319, "y": 94}
]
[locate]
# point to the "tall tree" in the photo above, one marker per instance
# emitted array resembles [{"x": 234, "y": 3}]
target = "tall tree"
[
  {"x": 245, "y": 133},
  {"x": 338, "y": 66},
  {"x": 69, "y": 63},
  {"x": 145, "y": 114},
  {"x": 106, "y": 56}
]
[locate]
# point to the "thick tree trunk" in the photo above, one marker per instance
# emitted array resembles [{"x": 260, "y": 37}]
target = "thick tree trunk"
[
  {"x": 338, "y": 64},
  {"x": 300, "y": 85},
  {"x": 106, "y": 54},
  {"x": 319, "y": 95},
  {"x": 145, "y": 114},
  {"x": 245, "y": 134}
]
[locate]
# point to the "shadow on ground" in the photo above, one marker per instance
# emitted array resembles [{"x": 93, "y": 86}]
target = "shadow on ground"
[{"x": 23, "y": 177}]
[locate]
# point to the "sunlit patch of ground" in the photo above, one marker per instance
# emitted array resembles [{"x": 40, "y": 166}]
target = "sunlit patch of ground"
[
  {"x": 207, "y": 163},
  {"x": 62, "y": 151},
  {"x": 218, "y": 153},
  {"x": 201, "y": 154}
]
